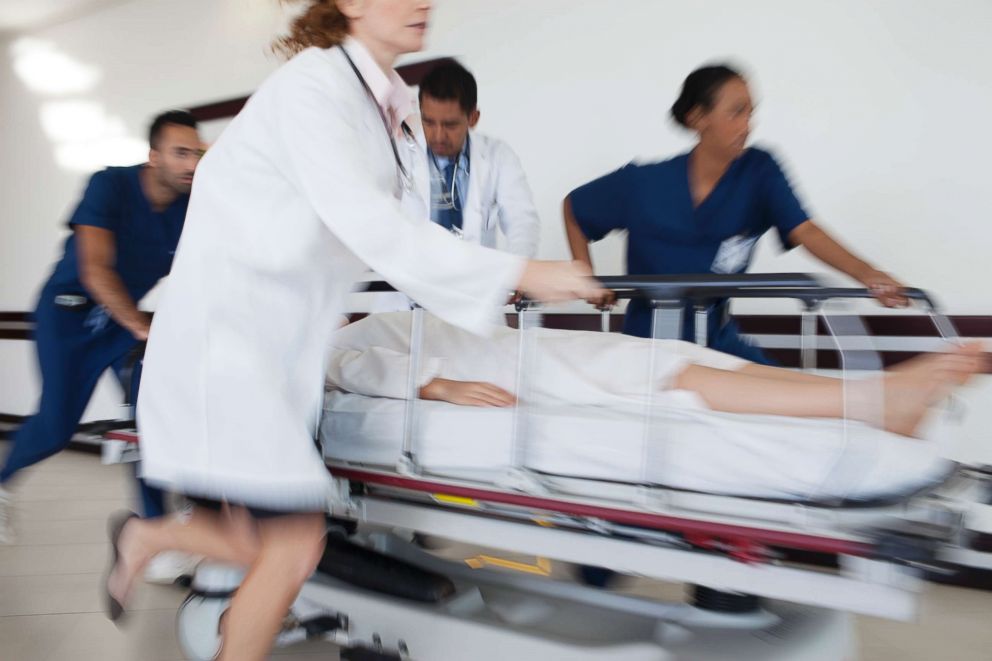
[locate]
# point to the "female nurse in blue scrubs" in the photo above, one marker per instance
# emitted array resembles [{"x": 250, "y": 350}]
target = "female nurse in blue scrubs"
[{"x": 703, "y": 211}]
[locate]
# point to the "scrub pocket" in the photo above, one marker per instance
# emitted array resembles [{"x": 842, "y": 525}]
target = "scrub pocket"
[{"x": 734, "y": 254}]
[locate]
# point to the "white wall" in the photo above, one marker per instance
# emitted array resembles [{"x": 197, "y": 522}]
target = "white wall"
[
  {"x": 145, "y": 56},
  {"x": 878, "y": 110}
]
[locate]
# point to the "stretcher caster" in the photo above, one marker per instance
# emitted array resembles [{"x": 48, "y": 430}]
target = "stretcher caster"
[
  {"x": 367, "y": 654},
  {"x": 198, "y": 626},
  {"x": 199, "y": 616},
  {"x": 375, "y": 652}
]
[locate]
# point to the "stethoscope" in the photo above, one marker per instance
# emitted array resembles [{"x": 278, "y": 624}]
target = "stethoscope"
[
  {"x": 403, "y": 178},
  {"x": 448, "y": 198}
]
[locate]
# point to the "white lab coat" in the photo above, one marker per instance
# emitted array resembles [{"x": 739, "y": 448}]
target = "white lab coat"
[
  {"x": 499, "y": 200},
  {"x": 289, "y": 207}
]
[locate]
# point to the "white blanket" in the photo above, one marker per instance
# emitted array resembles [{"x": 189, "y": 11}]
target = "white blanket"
[
  {"x": 588, "y": 417},
  {"x": 688, "y": 448},
  {"x": 371, "y": 357}
]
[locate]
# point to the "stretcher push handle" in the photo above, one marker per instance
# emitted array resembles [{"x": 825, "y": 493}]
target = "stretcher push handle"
[
  {"x": 671, "y": 286},
  {"x": 827, "y": 293},
  {"x": 708, "y": 286},
  {"x": 619, "y": 283},
  {"x": 700, "y": 285}
]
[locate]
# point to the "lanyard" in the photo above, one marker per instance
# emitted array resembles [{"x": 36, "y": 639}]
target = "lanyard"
[
  {"x": 452, "y": 200},
  {"x": 402, "y": 174}
]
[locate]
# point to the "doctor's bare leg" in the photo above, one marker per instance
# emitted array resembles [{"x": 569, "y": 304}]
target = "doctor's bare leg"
[
  {"x": 280, "y": 553},
  {"x": 290, "y": 548},
  {"x": 230, "y": 536}
]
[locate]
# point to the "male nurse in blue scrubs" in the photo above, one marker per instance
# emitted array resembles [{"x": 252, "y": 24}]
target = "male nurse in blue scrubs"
[
  {"x": 703, "y": 212},
  {"x": 124, "y": 235}
]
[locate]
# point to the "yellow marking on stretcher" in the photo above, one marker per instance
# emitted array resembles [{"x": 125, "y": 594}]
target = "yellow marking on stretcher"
[
  {"x": 544, "y": 523},
  {"x": 542, "y": 566},
  {"x": 455, "y": 500}
]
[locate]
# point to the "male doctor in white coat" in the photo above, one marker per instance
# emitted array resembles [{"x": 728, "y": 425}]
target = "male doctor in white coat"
[{"x": 467, "y": 182}]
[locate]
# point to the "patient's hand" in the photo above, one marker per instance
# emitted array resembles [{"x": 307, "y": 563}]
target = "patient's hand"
[{"x": 467, "y": 393}]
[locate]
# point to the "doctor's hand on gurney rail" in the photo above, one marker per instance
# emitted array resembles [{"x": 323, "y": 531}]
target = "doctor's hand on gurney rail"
[{"x": 553, "y": 282}]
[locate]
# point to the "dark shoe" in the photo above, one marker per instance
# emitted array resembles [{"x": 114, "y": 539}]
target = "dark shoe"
[{"x": 115, "y": 610}]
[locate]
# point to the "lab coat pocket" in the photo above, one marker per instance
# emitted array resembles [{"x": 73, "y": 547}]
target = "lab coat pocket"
[{"x": 490, "y": 215}]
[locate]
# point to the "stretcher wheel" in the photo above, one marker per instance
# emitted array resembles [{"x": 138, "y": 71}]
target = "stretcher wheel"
[{"x": 198, "y": 626}]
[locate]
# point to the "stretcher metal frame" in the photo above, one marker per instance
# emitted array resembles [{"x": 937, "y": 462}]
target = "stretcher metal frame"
[
  {"x": 733, "y": 545},
  {"x": 722, "y": 542}
]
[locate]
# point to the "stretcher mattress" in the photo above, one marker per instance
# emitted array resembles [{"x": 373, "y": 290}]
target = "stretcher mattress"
[{"x": 679, "y": 445}]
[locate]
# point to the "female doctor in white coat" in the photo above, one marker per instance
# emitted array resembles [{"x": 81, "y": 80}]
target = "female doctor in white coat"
[{"x": 295, "y": 200}]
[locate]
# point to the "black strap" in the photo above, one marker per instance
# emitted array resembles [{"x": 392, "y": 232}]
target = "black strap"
[{"x": 382, "y": 115}]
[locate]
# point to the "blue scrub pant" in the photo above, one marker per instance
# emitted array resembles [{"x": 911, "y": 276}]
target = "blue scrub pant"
[
  {"x": 74, "y": 348},
  {"x": 152, "y": 499},
  {"x": 722, "y": 332},
  {"x": 727, "y": 339}
]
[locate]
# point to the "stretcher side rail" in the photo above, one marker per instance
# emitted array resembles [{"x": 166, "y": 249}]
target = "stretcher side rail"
[
  {"x": 643, "y": 286},
  {"x": 809, "y": 295},
  {"x": 669, "y": 296},
  {"x": 671, "y": 293},
  {"x": 688, "y": 286}
]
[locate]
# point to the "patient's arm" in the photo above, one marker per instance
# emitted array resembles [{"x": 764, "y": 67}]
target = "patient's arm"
[
  {"x": 377, "y": 371},
  {"x": 382, "y": 372},
  {"x": 467, "y": 393}
]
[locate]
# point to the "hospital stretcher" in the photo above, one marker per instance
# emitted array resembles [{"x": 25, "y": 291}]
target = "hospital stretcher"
[{"x": 755, "y": 593}]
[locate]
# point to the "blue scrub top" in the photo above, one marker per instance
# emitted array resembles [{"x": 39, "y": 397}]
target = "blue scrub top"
[
  {"x": 146, "y": 238},
  {"x": 667, "y": 236}
]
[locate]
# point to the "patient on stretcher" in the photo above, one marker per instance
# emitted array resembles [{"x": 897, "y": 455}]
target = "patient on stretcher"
[{"x": 594, "y": 369}]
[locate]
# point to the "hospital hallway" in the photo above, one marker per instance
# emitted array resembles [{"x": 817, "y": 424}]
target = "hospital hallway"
[{"x": 51, "y": 607}]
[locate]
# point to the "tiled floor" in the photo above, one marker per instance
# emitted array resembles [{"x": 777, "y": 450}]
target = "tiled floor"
[{"x": 51, "y": 609}]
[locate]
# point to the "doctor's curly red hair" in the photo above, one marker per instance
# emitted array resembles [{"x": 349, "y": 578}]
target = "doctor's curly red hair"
[{"x": 320, "y": 24}]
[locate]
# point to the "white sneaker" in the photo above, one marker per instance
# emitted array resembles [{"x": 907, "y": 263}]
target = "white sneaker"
[
  {"x": 170, "y": 567},
  {"x": 6, "y": 517}
]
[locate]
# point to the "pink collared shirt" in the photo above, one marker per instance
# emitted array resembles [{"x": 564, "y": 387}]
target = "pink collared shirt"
[{"x": 390, "y": 92}]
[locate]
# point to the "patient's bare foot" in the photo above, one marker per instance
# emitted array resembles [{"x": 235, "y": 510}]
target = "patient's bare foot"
[
  {"x": 912, "y": 388},
  {"x": 963, "y": 360}
]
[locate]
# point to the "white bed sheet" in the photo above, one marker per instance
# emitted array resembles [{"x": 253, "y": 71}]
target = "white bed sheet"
[{"x": 684, "y": 447}]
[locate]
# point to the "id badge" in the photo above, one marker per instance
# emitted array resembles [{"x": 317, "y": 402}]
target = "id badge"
[{"x": 734, "y": 254}]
